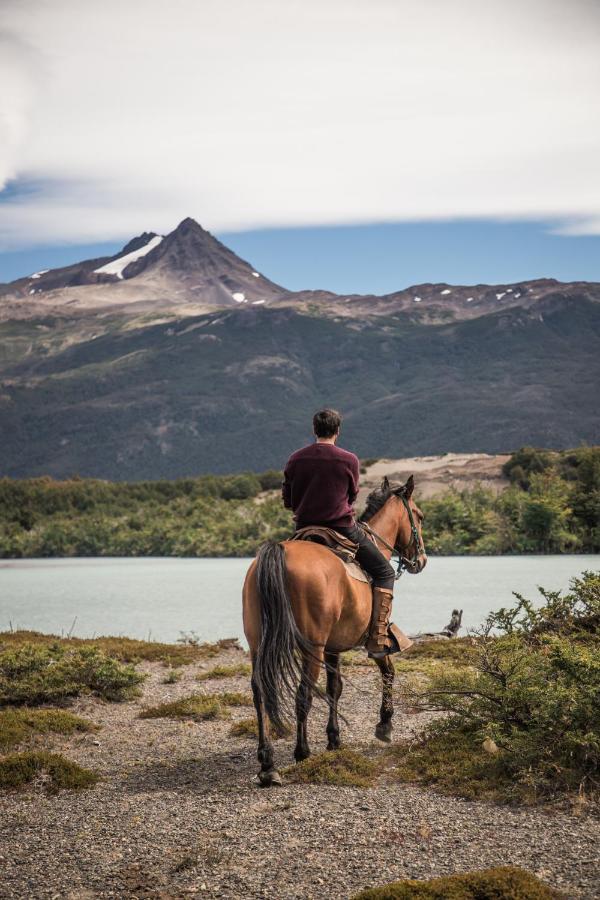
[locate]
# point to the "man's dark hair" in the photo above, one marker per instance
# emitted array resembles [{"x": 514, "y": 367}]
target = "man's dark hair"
[{"x": 326, "y": 422}]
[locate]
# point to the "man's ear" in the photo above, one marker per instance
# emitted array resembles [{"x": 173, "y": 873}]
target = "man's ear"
[
  {"x": 385, "y": 484},
  {"x": 409, "y": 487}
]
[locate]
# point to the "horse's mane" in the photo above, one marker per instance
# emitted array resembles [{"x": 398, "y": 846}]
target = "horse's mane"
[{"x": 376, "y": 499}]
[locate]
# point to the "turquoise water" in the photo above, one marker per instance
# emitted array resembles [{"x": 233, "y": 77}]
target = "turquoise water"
[{"x": 160, "y": 598}]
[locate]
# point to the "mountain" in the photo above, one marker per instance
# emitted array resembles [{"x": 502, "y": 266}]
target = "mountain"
[
  {"x": 187, "y": 267},
  {"x": 183, "y": 359}
]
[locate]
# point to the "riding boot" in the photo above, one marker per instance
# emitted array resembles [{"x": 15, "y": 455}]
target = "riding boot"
[
  {"x": 384, "y": 638},
  {"x": 378, "y": 642}
]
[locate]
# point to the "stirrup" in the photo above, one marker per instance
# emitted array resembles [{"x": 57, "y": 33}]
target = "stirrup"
[{"x": 398, "y": 643}]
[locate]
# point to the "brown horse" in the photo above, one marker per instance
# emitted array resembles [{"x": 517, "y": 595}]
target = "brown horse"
[{"x": 301, "y": 610}]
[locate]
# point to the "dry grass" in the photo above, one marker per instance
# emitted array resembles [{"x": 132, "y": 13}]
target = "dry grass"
[
  {"x": 457, "y": 650},
  {"x": 127, "y": 649},
  {"x": 18, "y": 725},
  {"x": 20, "y": 769},
  {"x": 198, "y": 707},
  {"x": 249, "y": 728},
  {"x": 230, "y": 671},
  {"x": 35, "y": 674},
  {"x": 355, "y": 658},
  {"x": 245, "y": 728},
  {"x": 345, "y": 768},
  {"x": 455, "y": 763},
  {"x": 500, "y": 883}
]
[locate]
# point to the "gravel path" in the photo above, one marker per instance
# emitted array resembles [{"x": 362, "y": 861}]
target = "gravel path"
[{"x": 178, "y": 814}]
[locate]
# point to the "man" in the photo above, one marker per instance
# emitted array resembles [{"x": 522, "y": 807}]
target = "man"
[{"x": 320, "y": 484}]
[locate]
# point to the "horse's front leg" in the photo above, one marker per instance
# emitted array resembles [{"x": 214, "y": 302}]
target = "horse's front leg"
[
  {"x": 383, "y": 730},
  {"x": 268, "y": 774},
  {"x": 334, "y": 690},
  {"x": 310, "y": 675}
]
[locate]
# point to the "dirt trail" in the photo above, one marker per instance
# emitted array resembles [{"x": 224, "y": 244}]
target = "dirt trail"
[{"x": 178, "y": 814}]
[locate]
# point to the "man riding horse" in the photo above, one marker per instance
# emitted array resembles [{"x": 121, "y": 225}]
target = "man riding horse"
[
  {"x": 302, "y": 606},
  {"x": 320, "y": 485}
]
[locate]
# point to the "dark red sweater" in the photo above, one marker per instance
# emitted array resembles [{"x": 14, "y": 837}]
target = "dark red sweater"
[{"x": 320, "y": 484}]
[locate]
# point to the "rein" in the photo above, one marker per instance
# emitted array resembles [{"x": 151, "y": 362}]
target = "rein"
[{"x": 403, "y": 562}]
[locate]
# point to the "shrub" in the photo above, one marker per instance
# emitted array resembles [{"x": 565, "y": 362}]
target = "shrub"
[
  {"x": 534, "y": 690},
  {"x": 501, "y": 883},
  {"x": 20, "y": 769},
  {"x": 271, "y": 480},
  {"x": 43, "y": 673},
  {"x": 187, "y": 650},
  {"x": 18, "y": 724}
]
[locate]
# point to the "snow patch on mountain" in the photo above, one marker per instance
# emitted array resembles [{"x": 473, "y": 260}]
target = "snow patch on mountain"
[
  {"x": 40, "y": 273},
  {"x": 117, "y": 266}
]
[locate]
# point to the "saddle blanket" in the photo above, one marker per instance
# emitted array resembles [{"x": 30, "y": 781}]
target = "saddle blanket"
[{"x": 342, "y": 546}]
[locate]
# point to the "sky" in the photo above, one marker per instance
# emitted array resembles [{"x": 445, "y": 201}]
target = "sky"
[{"x": 350, "y": 144}]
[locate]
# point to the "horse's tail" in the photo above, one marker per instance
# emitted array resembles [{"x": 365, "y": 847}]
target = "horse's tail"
[{"x": 277, "y": 667}]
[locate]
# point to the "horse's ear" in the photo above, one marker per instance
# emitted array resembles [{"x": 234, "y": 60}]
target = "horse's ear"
[
  {"x": 385, "y": 484},
  {"x": 409, "y": 487}
]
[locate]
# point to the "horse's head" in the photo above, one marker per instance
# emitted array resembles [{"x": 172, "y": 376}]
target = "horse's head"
[{"x": 393, "y": 504}]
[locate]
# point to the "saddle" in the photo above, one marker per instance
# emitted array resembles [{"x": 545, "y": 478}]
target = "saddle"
[
  {"x": 346, "y": 550},
  {"x": 342, "y": 546}
]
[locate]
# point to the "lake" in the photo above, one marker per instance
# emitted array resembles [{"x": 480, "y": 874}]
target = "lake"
[{"x": 162, "y": 597}]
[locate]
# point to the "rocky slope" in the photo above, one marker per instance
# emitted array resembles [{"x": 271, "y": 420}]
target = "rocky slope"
[{"x": 183, "y": 359}]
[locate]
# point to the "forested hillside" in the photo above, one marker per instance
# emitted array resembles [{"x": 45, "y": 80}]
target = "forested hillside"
[{"x": 551, "y": 506}]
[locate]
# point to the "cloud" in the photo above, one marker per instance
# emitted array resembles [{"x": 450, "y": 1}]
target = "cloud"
[{"x": 130, "y": 116}]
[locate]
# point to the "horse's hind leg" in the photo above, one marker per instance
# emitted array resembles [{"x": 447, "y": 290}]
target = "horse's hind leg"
[
  {"x": 383, "y": 729},
  {"x": 334, "y": 690},
  {"x": 304, "y": 696},
  {"x": 268, "y": 774}
]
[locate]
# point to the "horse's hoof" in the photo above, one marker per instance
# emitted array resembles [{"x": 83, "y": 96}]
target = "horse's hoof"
[
  {"x": 384, "y": 733},
  {"x": 272, "y": 778}
]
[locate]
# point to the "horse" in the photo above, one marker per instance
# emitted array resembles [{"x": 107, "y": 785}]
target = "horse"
[{"x": 301, "y": 609}]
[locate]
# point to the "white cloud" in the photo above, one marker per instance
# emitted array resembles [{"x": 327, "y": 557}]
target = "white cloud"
[{"x": 129, "y": 116}]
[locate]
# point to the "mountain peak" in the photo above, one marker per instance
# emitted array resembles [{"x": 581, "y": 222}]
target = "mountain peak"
[{"x": 189, "y": 225}]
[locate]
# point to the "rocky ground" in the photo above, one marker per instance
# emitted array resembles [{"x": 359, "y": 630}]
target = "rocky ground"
[{"x": 178, "y": 813}]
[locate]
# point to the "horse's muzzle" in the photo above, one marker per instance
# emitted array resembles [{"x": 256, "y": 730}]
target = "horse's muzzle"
[{"x": 413, "y": 567}]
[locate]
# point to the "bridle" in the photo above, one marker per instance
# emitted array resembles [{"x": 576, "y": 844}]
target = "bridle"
[{"x": 415, "y": 537}]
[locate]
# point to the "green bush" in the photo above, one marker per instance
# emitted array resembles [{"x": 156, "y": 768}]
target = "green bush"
[
  {"x": 34, "y": 673},
  {"x": 533, "y": 690}
]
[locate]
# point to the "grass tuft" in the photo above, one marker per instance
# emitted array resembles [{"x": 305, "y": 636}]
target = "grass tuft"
[
  {"x": 355, "y": 658},
  {"x": 249, "y": 728},
  {"x": 225, "y": 671},
  {"x": 499, "y": 883},
  {"x": 16, "y": 725},
  {"x": 340, "y": 767},
  {"x": 124, "y": 649},
  {"x": 198, "y": 707},
  {"x": 454, "y": 762},
  {"x": 245, "y": 728},
  {"x": 20, "y": 769},
  {"x": 33, "y": 674}
]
